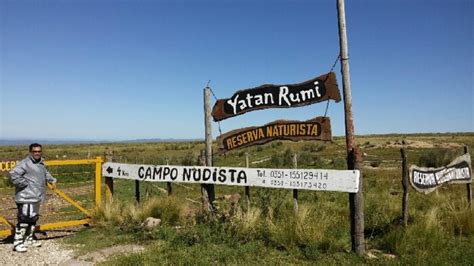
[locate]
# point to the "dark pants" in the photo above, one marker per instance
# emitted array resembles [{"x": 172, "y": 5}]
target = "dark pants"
[{"x": 28, "y": 213}]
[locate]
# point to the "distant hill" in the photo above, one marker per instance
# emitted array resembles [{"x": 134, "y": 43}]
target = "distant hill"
[{"x": 17, "y": 142}]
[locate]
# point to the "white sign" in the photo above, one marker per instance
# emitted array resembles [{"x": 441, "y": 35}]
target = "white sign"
[
  {"x": 427, "y": 180},
  {"x": 309, "y": 179}
]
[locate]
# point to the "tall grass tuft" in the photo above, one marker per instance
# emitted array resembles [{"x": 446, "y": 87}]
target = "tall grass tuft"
[
  {"x": 117, "y": 213},
  {"x": 420, "y": 239},
  {"x": 169, "y": 209},
  {"x": 459, "y": 219},
  {"x": 299, "y": 230},
  {"x": 130, "y": 216},
  {"x": 246, "y": 225}
]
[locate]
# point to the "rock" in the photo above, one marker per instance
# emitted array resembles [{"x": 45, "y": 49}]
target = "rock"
[
  {"x": 151, "y": 223},
  {"x": 371, "y": 255},
  {"x": 390, "y": 256}
]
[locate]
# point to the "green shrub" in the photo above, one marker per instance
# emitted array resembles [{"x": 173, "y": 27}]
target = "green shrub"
[
  {"x": 312, "y": 147},
  {"x": 276, "y": 160},
  {"x": 5, "y": 181},
  {"x": 189, "y": 159},
  {"x": 436, "y": 158},
  {"x": 376, "y": 163},
  {"x": 339, "y": 163},
  {"x": 287, "y": 158}
]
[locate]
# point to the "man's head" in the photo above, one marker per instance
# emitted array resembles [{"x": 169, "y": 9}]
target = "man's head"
[{"x": 36, "y": 151}]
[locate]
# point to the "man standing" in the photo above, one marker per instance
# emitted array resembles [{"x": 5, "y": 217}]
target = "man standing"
[{"x": 29, "y": 178}]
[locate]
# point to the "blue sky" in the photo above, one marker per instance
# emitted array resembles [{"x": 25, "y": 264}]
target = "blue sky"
[{"x": 136, "y": 69}]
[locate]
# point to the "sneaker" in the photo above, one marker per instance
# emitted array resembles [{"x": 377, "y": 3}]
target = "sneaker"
[
  {"x": 31, "y": 242},
  {"x": 20, "y": 247},
  {"x": 19, "y": 239}
]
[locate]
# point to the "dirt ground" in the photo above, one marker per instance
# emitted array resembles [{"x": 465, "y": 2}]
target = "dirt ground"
[{"x": 53, "y": 252}]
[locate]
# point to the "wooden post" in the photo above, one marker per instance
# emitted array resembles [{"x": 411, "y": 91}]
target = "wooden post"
[
  {"x": 209, "y": 188},
  {"x": 295, "y": 191},
  {"x": 356, "y": 200},
  {"x": 468, "y": 185},
  {"x": 109, "y": 181},
  {"x": 169, "y": 188},
  {"x": 247, "y": 188},
  {"x": 137, "y": 191},
  {"x": 405, "y": 187}
]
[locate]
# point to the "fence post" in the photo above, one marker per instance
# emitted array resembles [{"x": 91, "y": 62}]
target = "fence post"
[
  {"x": 109, "y": 181},
  {"x": 356, "y": 205},
  {"x": 98, "y": 181},
  {"x": 468, "y": 185},
  {"x": 209, "y": 188},
  {"x": 205, "y": 195},
  {"x": 295, "y": 191},
  {"x": 137, "y": 191},
  {"x": 247, "y": 188},
  {"x": 169, "y": 188},
  {"x": 405, "y": 187}
]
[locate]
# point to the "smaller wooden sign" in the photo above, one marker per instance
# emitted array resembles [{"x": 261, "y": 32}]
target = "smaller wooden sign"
[
  {"x": 318, "y": 128},
  {"x": 427, "y": 180},
  {"x": 266, "y": 96}
]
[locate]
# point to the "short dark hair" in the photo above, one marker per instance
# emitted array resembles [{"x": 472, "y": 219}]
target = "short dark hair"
[{"x": 34, "y": 145}]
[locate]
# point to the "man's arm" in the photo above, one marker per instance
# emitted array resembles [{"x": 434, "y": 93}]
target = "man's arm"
[
  {"x": 16, "y": 176},
  {"x": 50, "y": 178}
]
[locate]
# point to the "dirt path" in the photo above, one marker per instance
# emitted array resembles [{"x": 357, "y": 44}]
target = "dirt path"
[
  {"x": 50, "y": 253},
  {"x": 53, "y": 252}
]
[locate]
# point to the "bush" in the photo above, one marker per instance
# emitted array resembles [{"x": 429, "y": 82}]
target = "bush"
[
  {"x": 5, "y": 181},
  {"x": 275, "y": 160},
  {"x": 287, "y": 158},
  {"x": 276, "y": 144},
  {"x": 436, "y": 158},
  {"x": 270, "y": 200},
  {"x": 189, "y": 159},
  {"x": 312, "y": 147},
  {"x": 375, "y": 163},
  {"x": 339, "y": 163}
]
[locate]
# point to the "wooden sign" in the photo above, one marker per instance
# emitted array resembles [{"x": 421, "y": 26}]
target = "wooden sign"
[
  {"x": 308, "y": 179},
  {"x": 278, "y": 96},
  {"x": 318, "y": 128},
  {"x": 427, "y": 180}
]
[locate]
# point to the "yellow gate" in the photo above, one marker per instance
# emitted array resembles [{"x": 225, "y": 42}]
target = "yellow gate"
[{"x": 86, "y": 213}]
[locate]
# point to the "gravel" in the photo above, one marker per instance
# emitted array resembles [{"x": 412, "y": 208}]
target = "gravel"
[
  {"x": 53, "y": 252},
  {"x": 50, "y": 253}
]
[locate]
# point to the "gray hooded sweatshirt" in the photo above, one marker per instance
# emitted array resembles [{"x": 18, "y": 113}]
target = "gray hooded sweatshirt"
[{"x": 29, "y": 178}]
